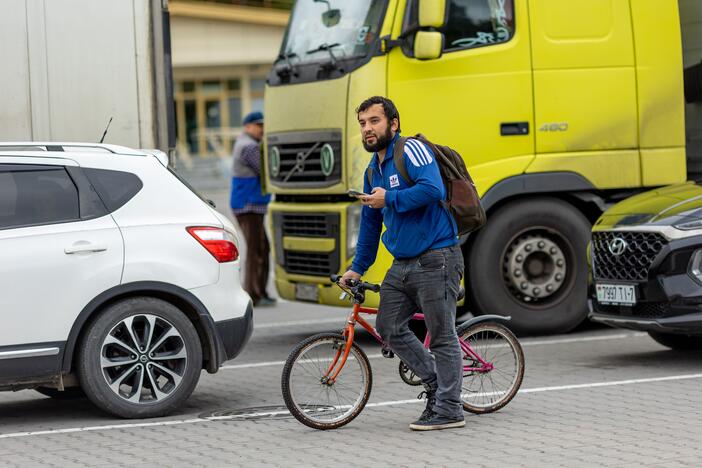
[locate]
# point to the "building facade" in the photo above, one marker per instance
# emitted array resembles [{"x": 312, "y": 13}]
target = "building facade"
[{"x": 221, "y": 53}]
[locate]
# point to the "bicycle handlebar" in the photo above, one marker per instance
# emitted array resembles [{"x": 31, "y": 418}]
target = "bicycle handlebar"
[{"x": 357, "y": 285}]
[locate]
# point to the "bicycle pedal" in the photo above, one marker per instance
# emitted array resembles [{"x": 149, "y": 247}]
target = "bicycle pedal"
[{"x": 387, "y": 353}]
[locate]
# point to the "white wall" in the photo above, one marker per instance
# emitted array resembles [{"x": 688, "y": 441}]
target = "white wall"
[
  {"x": 14, "y": 78},
  {"x": 206, "y": 42},
  {"x": 74, "y": 64}
]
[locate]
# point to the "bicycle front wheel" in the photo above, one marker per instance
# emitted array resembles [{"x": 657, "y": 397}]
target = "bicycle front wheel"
[
  {"x": 310, "y": 395},
  {"x": 493, "y": 366}
]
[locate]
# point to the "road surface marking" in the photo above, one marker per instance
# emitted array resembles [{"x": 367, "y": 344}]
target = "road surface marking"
[{"x": 369, "y": 405}]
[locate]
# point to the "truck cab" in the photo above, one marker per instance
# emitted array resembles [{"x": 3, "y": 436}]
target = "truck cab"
[{"x": 559, "y": 109}]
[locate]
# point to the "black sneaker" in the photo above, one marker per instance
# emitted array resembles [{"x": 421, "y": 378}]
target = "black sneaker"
[
  {"x": 434, "y": 422},
  {"x": 430, "y": 393}
]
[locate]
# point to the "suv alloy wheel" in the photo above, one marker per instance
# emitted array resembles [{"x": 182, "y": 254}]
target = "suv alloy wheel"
[{"x": 140, "y": 358}]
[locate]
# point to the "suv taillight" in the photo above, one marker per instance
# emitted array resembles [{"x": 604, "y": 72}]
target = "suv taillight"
[{"x": 217, "y": 241}]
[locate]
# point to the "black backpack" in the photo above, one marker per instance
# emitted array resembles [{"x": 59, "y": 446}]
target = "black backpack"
[{"x": 462, "y": 198}]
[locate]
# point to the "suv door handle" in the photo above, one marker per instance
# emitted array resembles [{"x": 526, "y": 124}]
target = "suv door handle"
[{"x": 80, "y": 247}]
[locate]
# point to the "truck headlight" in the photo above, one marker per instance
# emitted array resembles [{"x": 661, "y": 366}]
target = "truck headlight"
[
  {"x": 353, "y": 225},
  {"x": 694, "y": 269}
]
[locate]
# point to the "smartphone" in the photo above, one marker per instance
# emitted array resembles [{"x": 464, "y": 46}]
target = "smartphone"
[{"x": 354, "y": 193}]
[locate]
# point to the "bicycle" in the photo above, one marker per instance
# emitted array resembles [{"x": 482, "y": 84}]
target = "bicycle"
[{"x": 320, "y": 396}]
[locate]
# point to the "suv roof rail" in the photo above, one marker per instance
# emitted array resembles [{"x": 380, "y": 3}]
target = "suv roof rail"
[{"x": 66, "y": 146}]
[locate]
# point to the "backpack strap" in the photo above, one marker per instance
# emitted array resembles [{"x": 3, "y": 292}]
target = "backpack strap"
[{"x": 398, "y": 155}]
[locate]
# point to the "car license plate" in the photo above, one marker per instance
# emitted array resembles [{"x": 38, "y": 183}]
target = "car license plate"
[
  {"x": 617, "y": 294},
  {"x": 307, "y": 292}
]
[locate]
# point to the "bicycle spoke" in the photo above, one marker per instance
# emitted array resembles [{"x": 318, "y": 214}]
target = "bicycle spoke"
[
  {"x": 319, "y": 401},
  {"x": 484, "y": 390}
]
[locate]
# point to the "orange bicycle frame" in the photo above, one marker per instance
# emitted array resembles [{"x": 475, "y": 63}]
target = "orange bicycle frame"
[{"x": 349, "y": 331}]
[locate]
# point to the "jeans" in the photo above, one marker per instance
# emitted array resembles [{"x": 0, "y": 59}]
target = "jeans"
[{"x": 428, "y": 284}]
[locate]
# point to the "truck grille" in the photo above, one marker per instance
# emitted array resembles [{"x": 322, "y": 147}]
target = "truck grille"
[
  {"x": 641, "y": 249},
  {"x": 300, "y": 159},
  {"x": 309, "y": 263},
  {"x": 305, "y": 225},
  {"x": 312, "y": 225}
]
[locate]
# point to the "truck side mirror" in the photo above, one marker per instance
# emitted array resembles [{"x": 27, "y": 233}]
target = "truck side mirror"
[
  {"x": 432, "y": 13},
  {"x": 428, "y": 45}
]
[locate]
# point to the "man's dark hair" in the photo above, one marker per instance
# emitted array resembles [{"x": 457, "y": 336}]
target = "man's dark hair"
[{"x": 388, "y": 108}]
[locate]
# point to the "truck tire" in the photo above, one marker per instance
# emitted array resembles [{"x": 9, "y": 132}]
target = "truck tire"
[
  {"x": 529, "y": 262},
  {"x": 140, "y": 358},
  {"x": 678, "y": 342}
]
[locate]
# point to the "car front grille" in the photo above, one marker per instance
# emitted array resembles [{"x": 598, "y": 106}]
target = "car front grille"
[
  {"x": 300, "y": 160},
  {"x": 313, "y": 226},
  {"x": 633, "y": 264},
  {"x": 645, "y": 310}
]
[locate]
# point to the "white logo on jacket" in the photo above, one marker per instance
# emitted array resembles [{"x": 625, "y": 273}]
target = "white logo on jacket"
[{"x": 394, "y": 181}]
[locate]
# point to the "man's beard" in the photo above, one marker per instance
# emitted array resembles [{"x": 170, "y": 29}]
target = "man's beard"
[{"x": 381, "y": 142}]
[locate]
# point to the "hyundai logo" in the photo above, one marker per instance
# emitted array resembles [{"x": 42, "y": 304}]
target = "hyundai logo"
[{"x": 617, "y": 246}]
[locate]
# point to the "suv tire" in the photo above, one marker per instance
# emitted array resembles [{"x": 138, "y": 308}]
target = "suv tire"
[
  {"x": 678, "y": 342},
  {"x": 538, "y": 244},
  {"x": 140, "y": 358}
]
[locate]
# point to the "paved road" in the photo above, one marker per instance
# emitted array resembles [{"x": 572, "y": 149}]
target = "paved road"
[
  {"x": 597, "y": 397},
  {"x": 590, "y": 398}
]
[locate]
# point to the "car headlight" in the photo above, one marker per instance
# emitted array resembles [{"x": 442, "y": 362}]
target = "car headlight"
[
  {"x": 689, "y": 225},
  {"x": 694, "y": 269},
  {"x": 353, "y": 226}
]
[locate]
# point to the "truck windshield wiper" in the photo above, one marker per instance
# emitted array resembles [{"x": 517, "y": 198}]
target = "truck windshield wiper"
[
  {"x": 328, "y": 48},
  {"x": 288, "y": 68}
]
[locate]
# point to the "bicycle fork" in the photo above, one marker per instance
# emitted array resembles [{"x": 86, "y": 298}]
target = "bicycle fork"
[{"x": 341, "y": 355}]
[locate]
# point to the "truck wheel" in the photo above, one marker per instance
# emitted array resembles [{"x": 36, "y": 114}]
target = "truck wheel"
[
  {"x": 140, "y": 358},
  {"x": 678, "y": 342},
  {"x": 529, "y": 262}
]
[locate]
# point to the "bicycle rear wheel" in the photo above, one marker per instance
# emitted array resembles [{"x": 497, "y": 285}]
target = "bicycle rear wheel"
[
  {"x": 488, "y": 387},
  {"x": 307, "y": 394}
]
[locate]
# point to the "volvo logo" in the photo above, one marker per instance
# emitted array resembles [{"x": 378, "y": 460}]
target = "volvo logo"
[
  {"x": 300, "y": 161},
  {"x": 617, "y": 246}
]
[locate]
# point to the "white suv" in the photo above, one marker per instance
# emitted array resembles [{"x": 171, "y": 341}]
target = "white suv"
[{"x": 116, "y": 279}]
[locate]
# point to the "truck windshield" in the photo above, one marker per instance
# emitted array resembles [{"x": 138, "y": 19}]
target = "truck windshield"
[{"x": 328, "y": 31}]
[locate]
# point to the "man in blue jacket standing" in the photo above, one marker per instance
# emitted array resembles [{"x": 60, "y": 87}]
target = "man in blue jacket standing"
[
  {"x": 425, "y": 275},
  {"x": 249, "y": 206}
]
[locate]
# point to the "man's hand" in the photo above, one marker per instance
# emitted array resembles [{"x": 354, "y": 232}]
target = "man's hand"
[
  {"x": 376, "y": 199},
  {"x": 349, "y": 275}
]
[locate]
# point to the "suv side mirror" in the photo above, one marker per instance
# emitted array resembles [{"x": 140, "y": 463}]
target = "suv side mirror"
[
  {"x": 432, "y": 13},
  {"x": 428, "y": 45}
]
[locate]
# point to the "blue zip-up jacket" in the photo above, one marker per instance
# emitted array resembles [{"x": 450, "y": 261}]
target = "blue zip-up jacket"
[{"x": 414, "y": 216}]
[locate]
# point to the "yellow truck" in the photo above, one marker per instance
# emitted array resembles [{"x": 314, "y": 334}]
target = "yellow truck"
[{"x": 560, "y": 108}]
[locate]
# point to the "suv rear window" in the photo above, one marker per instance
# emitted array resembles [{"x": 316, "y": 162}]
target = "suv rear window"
[
  {"x": 33, "y": 195},
  {"x": 115, "y": 188}
]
